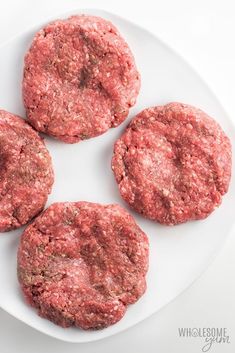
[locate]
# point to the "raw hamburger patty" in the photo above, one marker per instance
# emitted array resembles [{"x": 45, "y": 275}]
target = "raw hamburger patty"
[
  {"x": 173, "y": 163},
  {"x": 80, "y": 78},
  {"x": 80, "y": 264},
  {"x": 26, "y": 174}
]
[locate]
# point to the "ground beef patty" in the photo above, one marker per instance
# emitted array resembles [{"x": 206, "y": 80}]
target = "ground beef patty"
[
  {"x": 80, "y": 264},
  {"x": 26, "y": 174},
  {"x": 173, "y": 163},
  {"x": 80, "y": 78}
]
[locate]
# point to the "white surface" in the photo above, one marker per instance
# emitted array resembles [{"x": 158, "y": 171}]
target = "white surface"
[
  {"x": 214, "y": 292},
  {"x": 178, "y": 254}
]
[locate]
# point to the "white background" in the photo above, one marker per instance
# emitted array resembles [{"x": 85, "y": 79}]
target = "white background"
[{"x": 202, "y": 31}]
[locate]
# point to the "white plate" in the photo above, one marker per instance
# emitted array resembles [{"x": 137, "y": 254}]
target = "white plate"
[{"x": 82, "y": 172}]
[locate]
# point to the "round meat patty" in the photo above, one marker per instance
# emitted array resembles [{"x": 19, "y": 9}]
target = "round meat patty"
[
  {"x": 26, "y": 174},
  {"x": 80, "y": 264},
  {"x": 80, "y": 78},
  {"x": 173, "y": 163}
]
